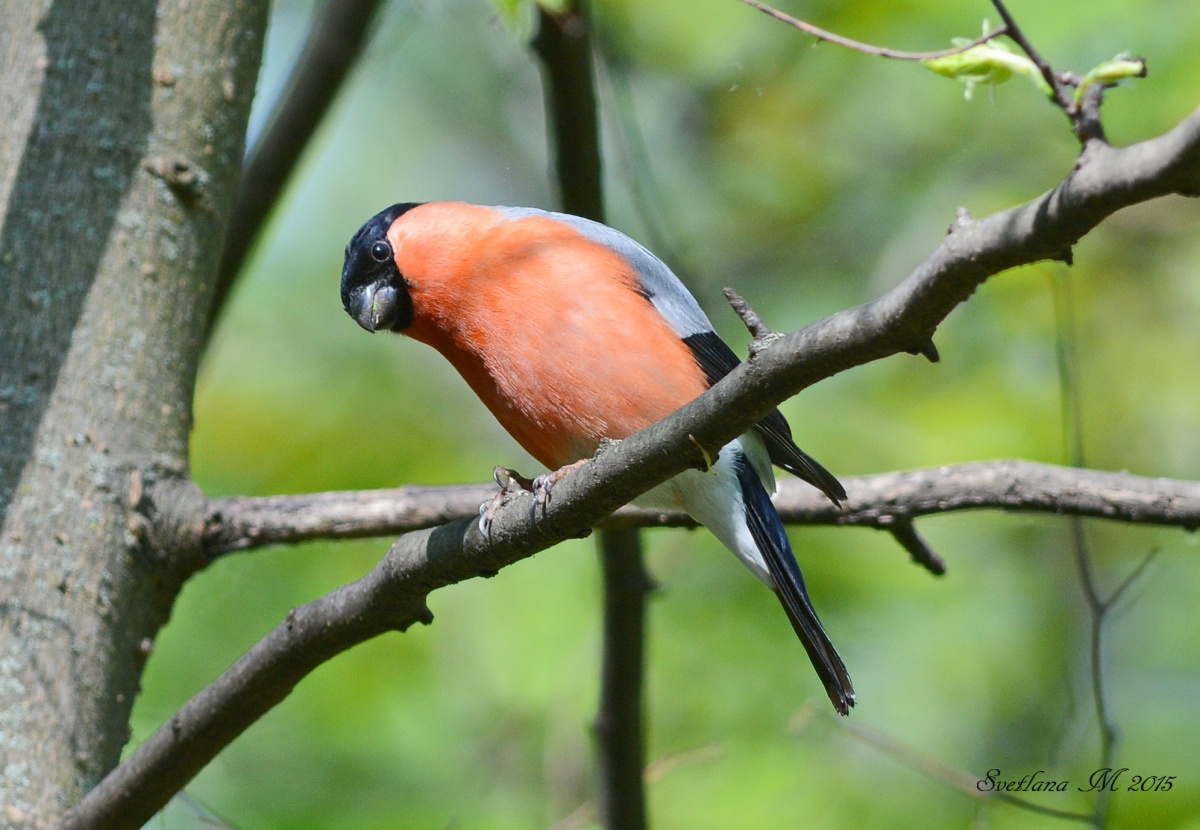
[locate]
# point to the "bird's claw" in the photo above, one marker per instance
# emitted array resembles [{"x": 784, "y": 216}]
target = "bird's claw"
[
  {"x": 487, "y": 512},
  {"x": 543, "y": 484},
  {"x": 509, "y": 481},
  {"x": 541, "y": 493}
]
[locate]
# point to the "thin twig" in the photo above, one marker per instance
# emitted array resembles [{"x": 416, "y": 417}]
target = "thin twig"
[
  {"x": 866, "y": 48},
  {"x": 1097, "y": 613},
  {"x": 1084, "y": 114},
  {"x": 1130, "y": 579},
  {"x": 758, "y": 329},
  {"x": 1062, "y": 96},
  {"x": 906, "y": 536}
]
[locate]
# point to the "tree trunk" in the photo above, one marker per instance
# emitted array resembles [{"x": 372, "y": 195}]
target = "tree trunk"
[{"x": 120, "y": 147}]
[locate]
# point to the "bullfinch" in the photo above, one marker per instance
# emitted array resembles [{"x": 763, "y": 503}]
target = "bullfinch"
[{"x": 570, "y": 332}]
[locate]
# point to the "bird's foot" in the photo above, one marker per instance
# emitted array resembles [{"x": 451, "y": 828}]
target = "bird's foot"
[
  {"x": 509, "y": 481},
  {"x": 543, "y": 484}
]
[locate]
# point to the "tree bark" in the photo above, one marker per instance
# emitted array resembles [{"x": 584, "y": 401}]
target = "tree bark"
[
  {"x": 242, "y": 523},
  {"x": 119, "y": 153},
  {"x": 618, "y": 726}
]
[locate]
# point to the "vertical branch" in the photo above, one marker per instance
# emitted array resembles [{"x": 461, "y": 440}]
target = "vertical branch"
[
  {"x": 562, "y": 43},
  {"x": 619, "y": 737},
  {"x": 334, "y": 43}
]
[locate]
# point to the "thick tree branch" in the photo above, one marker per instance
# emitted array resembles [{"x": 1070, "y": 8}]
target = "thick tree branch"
[
  {"x": 393, "y": 595},
  {"x": 240, "y": 523}
]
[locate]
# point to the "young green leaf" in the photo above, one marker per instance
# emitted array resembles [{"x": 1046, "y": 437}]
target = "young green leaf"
[
  {"x": 1120, "y": 68},
  {"x": 989, "y": 63}
]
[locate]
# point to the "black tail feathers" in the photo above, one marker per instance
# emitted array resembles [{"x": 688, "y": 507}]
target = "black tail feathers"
[{"x": 767, "y": 530}]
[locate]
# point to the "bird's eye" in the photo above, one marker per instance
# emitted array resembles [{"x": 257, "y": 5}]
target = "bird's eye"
[{"x": 381, "y": 251}]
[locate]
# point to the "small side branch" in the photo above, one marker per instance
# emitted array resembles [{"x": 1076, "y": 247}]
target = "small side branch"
[
  {"x": 906, "y": 536},
  {"x": 762, "y": 335},
  {"x": 1079, "y": 97},
  {"x": 236, "y": 523},
  {"x": 1062, "y": 96},
  {"x": 758, "y": 329},
  {"x": 1085, "y": 113}
]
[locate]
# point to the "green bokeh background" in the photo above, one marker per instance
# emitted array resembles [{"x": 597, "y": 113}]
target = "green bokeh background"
[{"x": 810, "y": 179}]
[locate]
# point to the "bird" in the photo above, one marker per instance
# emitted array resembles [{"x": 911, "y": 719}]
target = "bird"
[{"x": 571, "y": 332}]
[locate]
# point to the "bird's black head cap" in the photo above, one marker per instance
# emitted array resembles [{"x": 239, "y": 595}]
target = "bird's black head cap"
[{"x": 374, "y": 292}]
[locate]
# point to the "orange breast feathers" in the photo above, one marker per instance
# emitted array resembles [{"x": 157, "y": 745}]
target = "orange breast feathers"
[{"x": 546, "y": 326}]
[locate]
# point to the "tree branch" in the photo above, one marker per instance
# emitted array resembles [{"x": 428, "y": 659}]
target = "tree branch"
[
  {"x": 334, "y": 43},
  {"x": 867, "y": 48},
  {"x": 236, "y": 523},
  {"x": 243, "y": 523},
  {"x": 392, "y": 596},
  {"x": 563, "y": 45},
  {"x": 620, "y": 737},
  {"x": 1061, "y": 96},
  {"x": 1084, "y": 114}
]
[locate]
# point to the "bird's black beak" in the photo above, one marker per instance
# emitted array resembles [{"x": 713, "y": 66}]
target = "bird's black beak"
[{"x": 375, "y": 306}]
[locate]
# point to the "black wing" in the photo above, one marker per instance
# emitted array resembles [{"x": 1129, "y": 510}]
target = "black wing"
[{"x": 717, "y": 360}]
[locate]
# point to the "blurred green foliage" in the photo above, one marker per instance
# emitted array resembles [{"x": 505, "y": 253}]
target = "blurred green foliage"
[{"x": 810, "y": 179}]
